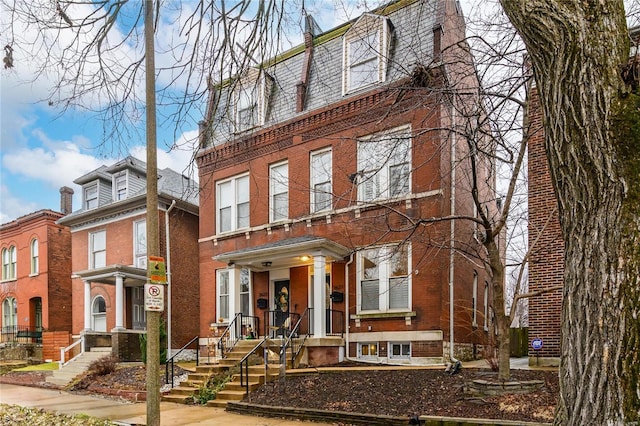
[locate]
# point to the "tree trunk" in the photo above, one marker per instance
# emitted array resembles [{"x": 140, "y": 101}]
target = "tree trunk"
[
  {"x": 501, "y": 318},
  {"x": 592, "y": 132}
]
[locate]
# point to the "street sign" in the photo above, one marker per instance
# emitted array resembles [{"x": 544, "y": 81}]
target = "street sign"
[
  {"x": 157, "y": 270},
  {"x": 154, "y": 297},
  {"x": 536, "y": 344}
]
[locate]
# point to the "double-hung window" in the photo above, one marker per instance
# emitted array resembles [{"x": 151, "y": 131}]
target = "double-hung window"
[
  {"x": 223, "y": 294},
  {"x": 366, "y": 53},
  {"x": 279, "y": 192},
  {"x": 120, "y": 186},
  {"x": 91, "y": 196},
  {"x": 233, "y": 204},
  {"x": 251, "y": 97},
  {"x": 9, "y": 263},
  {"x": 321, "y": 196},
  {"x": 246, "y": 108},
  {"x": 34, "y": 257},
  {"x": 384, "y": 165},
  {"x": 140, "y": 244},
  {"x": 97, "y": 249},
  {"x": 384, "y": 280}
]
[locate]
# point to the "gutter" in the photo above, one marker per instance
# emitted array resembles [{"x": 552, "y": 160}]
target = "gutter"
[
  {"x": 346, "y": 306},
  {"x": 168, "y": 263},
  {"x": 452, "y": 235}
]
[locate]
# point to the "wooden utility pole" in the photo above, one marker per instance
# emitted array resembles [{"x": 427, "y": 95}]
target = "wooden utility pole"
[{"x": 153, "y": 239}]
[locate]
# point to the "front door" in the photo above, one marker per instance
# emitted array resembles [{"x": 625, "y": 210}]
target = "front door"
[
  {"x": 139, "y": 318},
  {"x": 281, "y": 298}
]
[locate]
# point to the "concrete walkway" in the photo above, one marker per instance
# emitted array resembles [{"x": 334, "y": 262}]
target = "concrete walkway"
[{"x": 130, "y": 413}]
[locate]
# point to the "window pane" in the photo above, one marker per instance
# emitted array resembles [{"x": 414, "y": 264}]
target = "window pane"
[
  {"x": 99, "y": 259},
  {"x": 243, "y": 216},
  {"x": 363, "y": 74},
  {"x": 99, "y": 241},
  {"x": 225, "y": 219},
  {"x": 280, "y": 206},
  {"x": 225, "y": 194},
  {"x": 141, "y": 238},
  {"x": 364, "y": 49},
  {"x": 398, "y": 293},
  {"x": 399, "y": 180},
  {"x": 242, "y": 189},
  {"x": 370, "y": 264},
  {"x": 399, "y": 261},
  {"x": 322, "y": 197},
  {"x": 370, "y": 295},
  {"x": 223, "y": 283}
]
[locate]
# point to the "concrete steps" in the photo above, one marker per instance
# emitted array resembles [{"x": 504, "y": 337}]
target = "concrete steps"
[
  {"x": 234, "y": 391},
  {"x": 76, "y": 367}
]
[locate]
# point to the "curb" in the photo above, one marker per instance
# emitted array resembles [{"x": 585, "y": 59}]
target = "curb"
[{"x": 363, "y": 419}]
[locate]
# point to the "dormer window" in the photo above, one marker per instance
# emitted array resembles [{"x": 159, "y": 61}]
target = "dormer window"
[
  {"x": 120, "y": 186},
  {"x": 366, "y": 53},
  {"x": 251, "y": 98},
  {"x": 91, "y": 196}
]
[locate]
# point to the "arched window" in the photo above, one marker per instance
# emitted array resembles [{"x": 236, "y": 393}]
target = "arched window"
[
  {"x": 99, "y": 314},
  {"x": 9, "y": 314},
  {"x": 12, "y": 262},
  {"x": 34, "y": 257},
  {"x": 5, "y": 264}
]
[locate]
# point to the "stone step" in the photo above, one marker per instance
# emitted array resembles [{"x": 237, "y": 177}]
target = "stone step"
[
  {"x": 231, "y": 395},
  {"x": 218, "y": 403},
  {"x": 237, "y": 386},
  {"x": 183, "y": 390},
  {"x": 178, "y": 399},
  {"x": 210, "y": 369}
]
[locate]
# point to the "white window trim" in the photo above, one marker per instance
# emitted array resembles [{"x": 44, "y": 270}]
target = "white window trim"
[
  {"x": 272, "y": 193},
  {"x": 92, "y": 251},
  {"x": 361, "y": 29},
  {"x": 234, "y": 203},
  {"x": 383, "y": 173},
  {"x": 368, "y": 344},
  {"x": 12, "y": 303},
  {"x": 9, "y": 267},
  {"x": 313, "y": 183},
  {"x": 13, "y": 263},
  {"x": 219, "y": 294},
  {"x": 249, "y": 293},
  {"x": 139, "y": 259},
  {"x": 404, "y": 357},
  {"x": 115, "y": 179},
  {"x": 34, "y": 248},
  {"x": 383, "y": 281},
  {"x": 85, "y": 200}
]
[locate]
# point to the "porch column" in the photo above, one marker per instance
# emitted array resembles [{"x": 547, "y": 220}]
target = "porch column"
[
  {"x": 234, "y": 288},
  {"x": 319, "y": 297},
  {"x": 87, "y": 305},
  {"x": 119, "y": 302}
]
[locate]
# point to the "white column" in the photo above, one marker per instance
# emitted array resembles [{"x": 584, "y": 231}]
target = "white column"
[
  {"x": 87, "y": 305},
  {"x": 234, "y": 292},
  {"x": 119, "y": 302},
  {"x": 319, "y": 297}
]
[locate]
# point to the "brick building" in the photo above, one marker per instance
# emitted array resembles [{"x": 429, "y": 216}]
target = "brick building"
[
  {"x": 317, "y": 173},
  {"x": 109, "y": 258},
  {"x": 35, "y": 290}
]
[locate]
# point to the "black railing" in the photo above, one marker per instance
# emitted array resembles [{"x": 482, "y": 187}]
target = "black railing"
[
  {"x": 244, "y": 365},
  {"x": 295, "y": 341},
  {"x": 170, "y": 361},
  {"x": 334, "y": 322},
  {"x": 20, "y": 334},
  {"x": 279, "y": 324},
  {"x": 242, "y": 326}
]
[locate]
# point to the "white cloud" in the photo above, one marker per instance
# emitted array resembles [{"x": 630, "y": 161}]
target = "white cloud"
[{"x": 13, "y": 207}]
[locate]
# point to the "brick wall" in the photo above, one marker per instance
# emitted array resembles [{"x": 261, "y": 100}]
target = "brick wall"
[{"x": 547, "y": 259}]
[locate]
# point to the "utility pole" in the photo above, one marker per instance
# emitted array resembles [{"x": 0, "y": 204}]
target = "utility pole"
[{"x": 153, "y": 238}]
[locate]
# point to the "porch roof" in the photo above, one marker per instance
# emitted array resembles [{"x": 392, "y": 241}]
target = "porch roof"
[
  {"x": 133, "y": 276},
  {"x": 284, "y": 253}
]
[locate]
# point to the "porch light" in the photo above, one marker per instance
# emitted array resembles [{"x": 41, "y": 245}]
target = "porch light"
[
  {"x": 266, "y": 264},
  {"x": 305, "y": 258}
]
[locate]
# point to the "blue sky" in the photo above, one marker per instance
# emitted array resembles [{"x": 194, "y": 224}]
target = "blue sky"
[{"x": 44, "y": 148}]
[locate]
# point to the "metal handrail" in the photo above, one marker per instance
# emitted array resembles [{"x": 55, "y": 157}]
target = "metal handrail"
[
  {"x": 244, "y": 364},
  {"x": 287, "y": 342},
  {"x": 233, "y": 333},
  {"x": 171, "y": 361}
]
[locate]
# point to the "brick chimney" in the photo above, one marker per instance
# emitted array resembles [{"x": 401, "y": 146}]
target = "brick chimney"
[{"x": 66, "y": 200}]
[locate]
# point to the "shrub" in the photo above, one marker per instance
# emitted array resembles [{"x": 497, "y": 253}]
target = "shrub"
[
  {"x": 105, "y": 365},
  {"x": 210, "y": 389},
  {"x": 163, "y": 344}
]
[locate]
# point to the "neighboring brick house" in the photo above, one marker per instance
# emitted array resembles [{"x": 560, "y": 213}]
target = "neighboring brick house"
[
  {"x": 109, "y": 257},
  {"x": 35, "y": 290},
  {"x": 327, "y": 159}
]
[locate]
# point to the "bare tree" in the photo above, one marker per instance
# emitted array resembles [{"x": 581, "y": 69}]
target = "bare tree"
[{"x": 589, "y": 96}]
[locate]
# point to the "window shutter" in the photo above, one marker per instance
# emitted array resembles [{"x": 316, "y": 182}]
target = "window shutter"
[
  {"x": 370, "y": 295},
  {"x": 398, "y": 293}
]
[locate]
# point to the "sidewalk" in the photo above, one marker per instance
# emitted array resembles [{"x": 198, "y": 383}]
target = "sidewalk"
[{"x": 127, "y": 413}]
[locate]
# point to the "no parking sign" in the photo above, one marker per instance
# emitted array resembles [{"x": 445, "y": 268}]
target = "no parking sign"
[{"x": 154, "y": 297}]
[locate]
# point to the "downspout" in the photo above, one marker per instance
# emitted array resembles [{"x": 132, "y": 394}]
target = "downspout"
[
  {"x": 346, "y": 304},
  {"x": 452, "y": 223},
  {"x": 168, "y": 263}
]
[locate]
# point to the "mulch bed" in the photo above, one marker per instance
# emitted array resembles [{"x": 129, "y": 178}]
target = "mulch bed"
[{"x": 385, "y": 391}]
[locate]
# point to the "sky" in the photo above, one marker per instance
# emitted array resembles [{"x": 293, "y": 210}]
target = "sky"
[{"x": 43, "y": 148}]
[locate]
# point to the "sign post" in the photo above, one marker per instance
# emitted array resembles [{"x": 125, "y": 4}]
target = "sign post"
[{"x": 537, "y": 344}]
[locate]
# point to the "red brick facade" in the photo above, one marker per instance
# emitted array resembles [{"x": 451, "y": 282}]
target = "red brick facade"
[
  {"x": 351, "y": 224},
  {"x": 48, "y": 290},
  {"x": 546, "y": 264}
]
